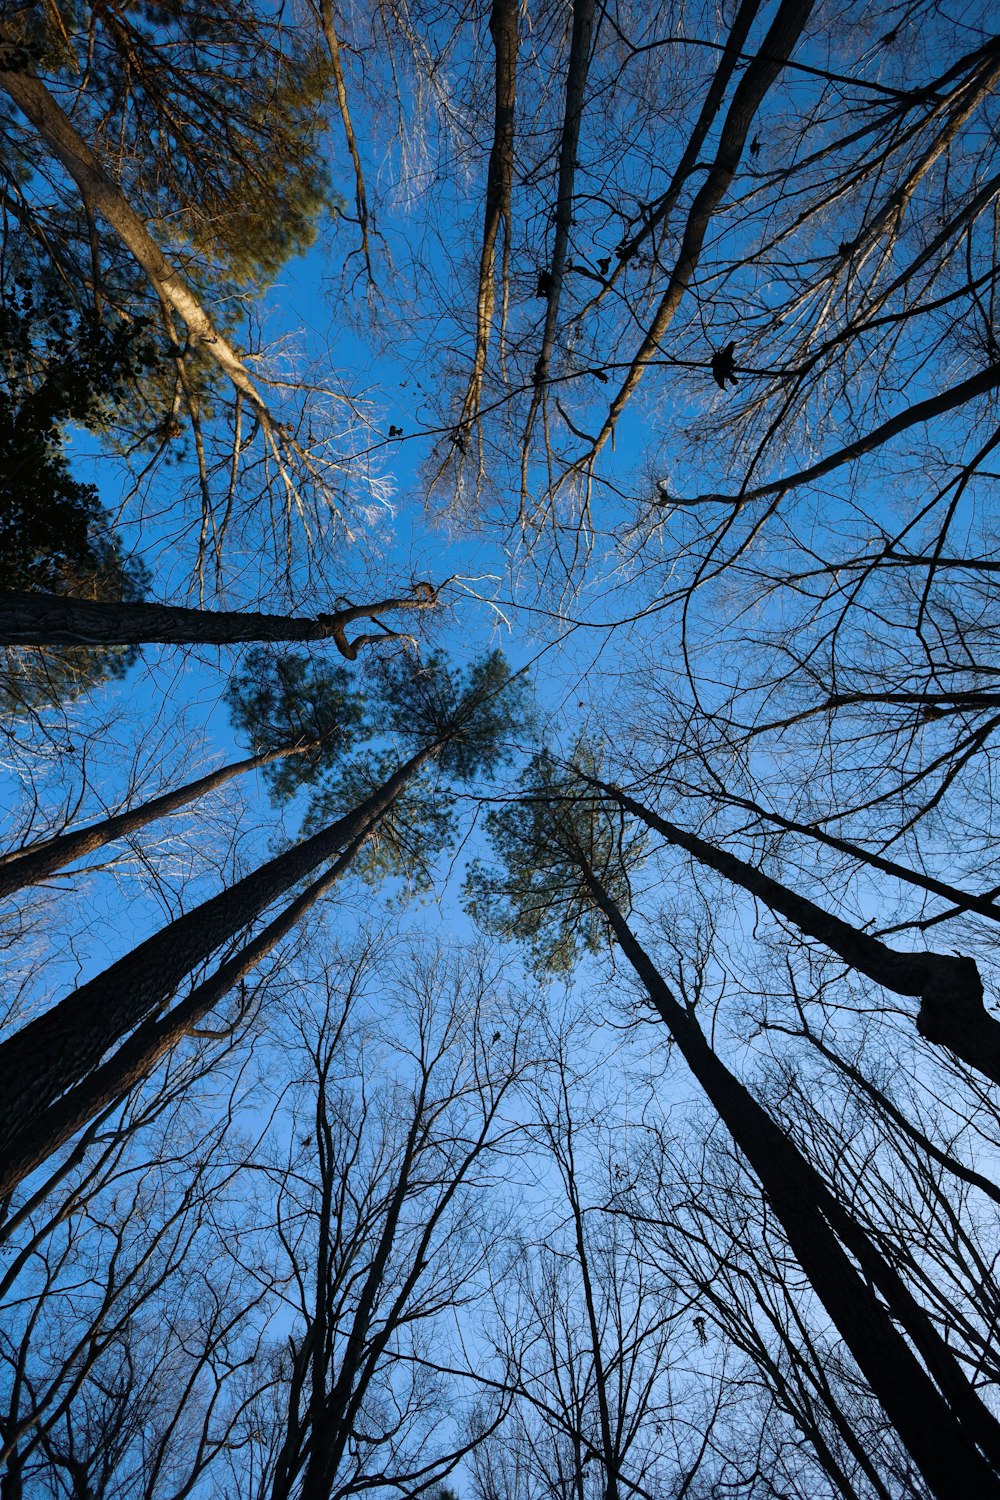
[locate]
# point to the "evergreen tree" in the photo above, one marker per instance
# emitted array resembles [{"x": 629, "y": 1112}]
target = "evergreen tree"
[
  {"x": 541, "y": 893},
  {"x": 62, "y": 1056},
  {"x": 60, "y": 369}
]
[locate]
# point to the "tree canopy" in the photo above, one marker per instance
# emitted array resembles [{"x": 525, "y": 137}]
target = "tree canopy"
[{"x": 499, "y": 879}]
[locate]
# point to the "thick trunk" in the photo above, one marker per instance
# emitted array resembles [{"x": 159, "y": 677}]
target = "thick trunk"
[
  {"x": 137, "y": 1057},
  {"x": 941, "y": 1441},
  {"x": 55, "y": 620},
  {"x": 58, "y": 1050},
  {"x": 35, "y": 863},
  {"x": 952, "y": 1013}
]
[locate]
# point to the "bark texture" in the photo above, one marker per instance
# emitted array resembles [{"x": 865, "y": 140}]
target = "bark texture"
[
  {"x": 102, "y": 195},
  {"x": 38, "y": 861},
  {"x": 136, "y": 1058},
  {"x": 29, "y": 619},
  {"x": 952, "y": 1011}
]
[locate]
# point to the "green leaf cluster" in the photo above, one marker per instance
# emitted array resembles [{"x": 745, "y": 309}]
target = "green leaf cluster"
[
  {"x": 537, "y": 892},
  {"x": 58, "y": 367},
  {"x": 476, "y": 715},
  {"x": 468, "y": 716},
  {"x": 418, "y": 827},
  {"x": 213, "y": 112},
  {"x": 280, "y": 698}
]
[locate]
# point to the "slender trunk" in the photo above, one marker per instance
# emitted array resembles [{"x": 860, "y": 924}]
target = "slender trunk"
[
  {"x": 610, "y": 1448},
  {"x": 985, "y": 905},
  {"x": 360, "y": 196},
  {"x": 882, "y": 1102},
  {"x": 777, "y": 47},
  {"x": 577, "y": 69},
  {"x": 952, "y": 1013},
  {"x": 102, "y": 195},
  {"x": 500, "y": 175},
  {"x": 58, "y": 1050},
  {"x": 55, "y": 620},
  {"x": 136, "y": 1058},
  {"x": 939, "y": 1441},
  {"x": 658, "y": 213},
  {"x": 37, "y": 861},
  {"x": 328, "y": 1437}
]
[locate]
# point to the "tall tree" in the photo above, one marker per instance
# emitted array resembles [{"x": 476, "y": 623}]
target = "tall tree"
[
  {"x": 460, "y": 722},
  {"x": 400, "y": 1127},
  {"x": 559, "y": 844}
]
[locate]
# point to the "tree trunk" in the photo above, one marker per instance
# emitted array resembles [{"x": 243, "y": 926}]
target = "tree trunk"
[
  {"x": 941, "y": 1441},
  {"x": 59, "y": 1049},
  {"x": 577, "y": 68},
  {"x": 951, "y": 1014},
  {"x": 503, "y": 31},
  {"x": 136, "y": 1058},
  {"x": 101, "y": 194},
  {"x": 778, "y": 45},
  {"x": 55, "y": 620},
  {"x": 33, "y": 864}
]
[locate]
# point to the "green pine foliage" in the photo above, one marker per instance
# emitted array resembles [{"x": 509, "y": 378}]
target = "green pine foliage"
[
  {"x": 470, "y": 717},
  {"x": 202, "y": 104},
  {"x": 59, "y": 368},
  {"x": 536, "y": 892},
  {"x": 477, "y": 715},
  {"x": 280, "y": 698},
  {"x": 416, "y": 830}
]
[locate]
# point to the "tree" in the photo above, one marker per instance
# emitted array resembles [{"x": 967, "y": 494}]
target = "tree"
[
  {"x": 136, "y": 180},
  {"x": 57, "y": 368},
  {"x": 677, "y": 328},
  {"x": 952, "y": 1011},
  {"x": 55, "y": 1061},
  {"x": 130, "y": 1343},
  {"x": 403, "y": 1121},
  {"x": 35, "y": 862},
  {"x": 594, "y": 1343},
  {"x": 822, "y": 1234},
  {"x": 38, "y": 619}
]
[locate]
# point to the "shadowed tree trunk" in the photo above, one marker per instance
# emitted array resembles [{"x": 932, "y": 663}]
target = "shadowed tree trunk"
[
  {"x": 54, "y": 620},
  {"x": 778, "y": 45},
  {"x": 551, "y": 281},
  {"x": 940, "y": 1428},
  {"x": 503, "y": 30},
  {"x": 59, "y": 1049},
  {"x": 34, "y": 863},
  {"x": 952, "y": 1013},
  {"x": 152, "y": 1040}
]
